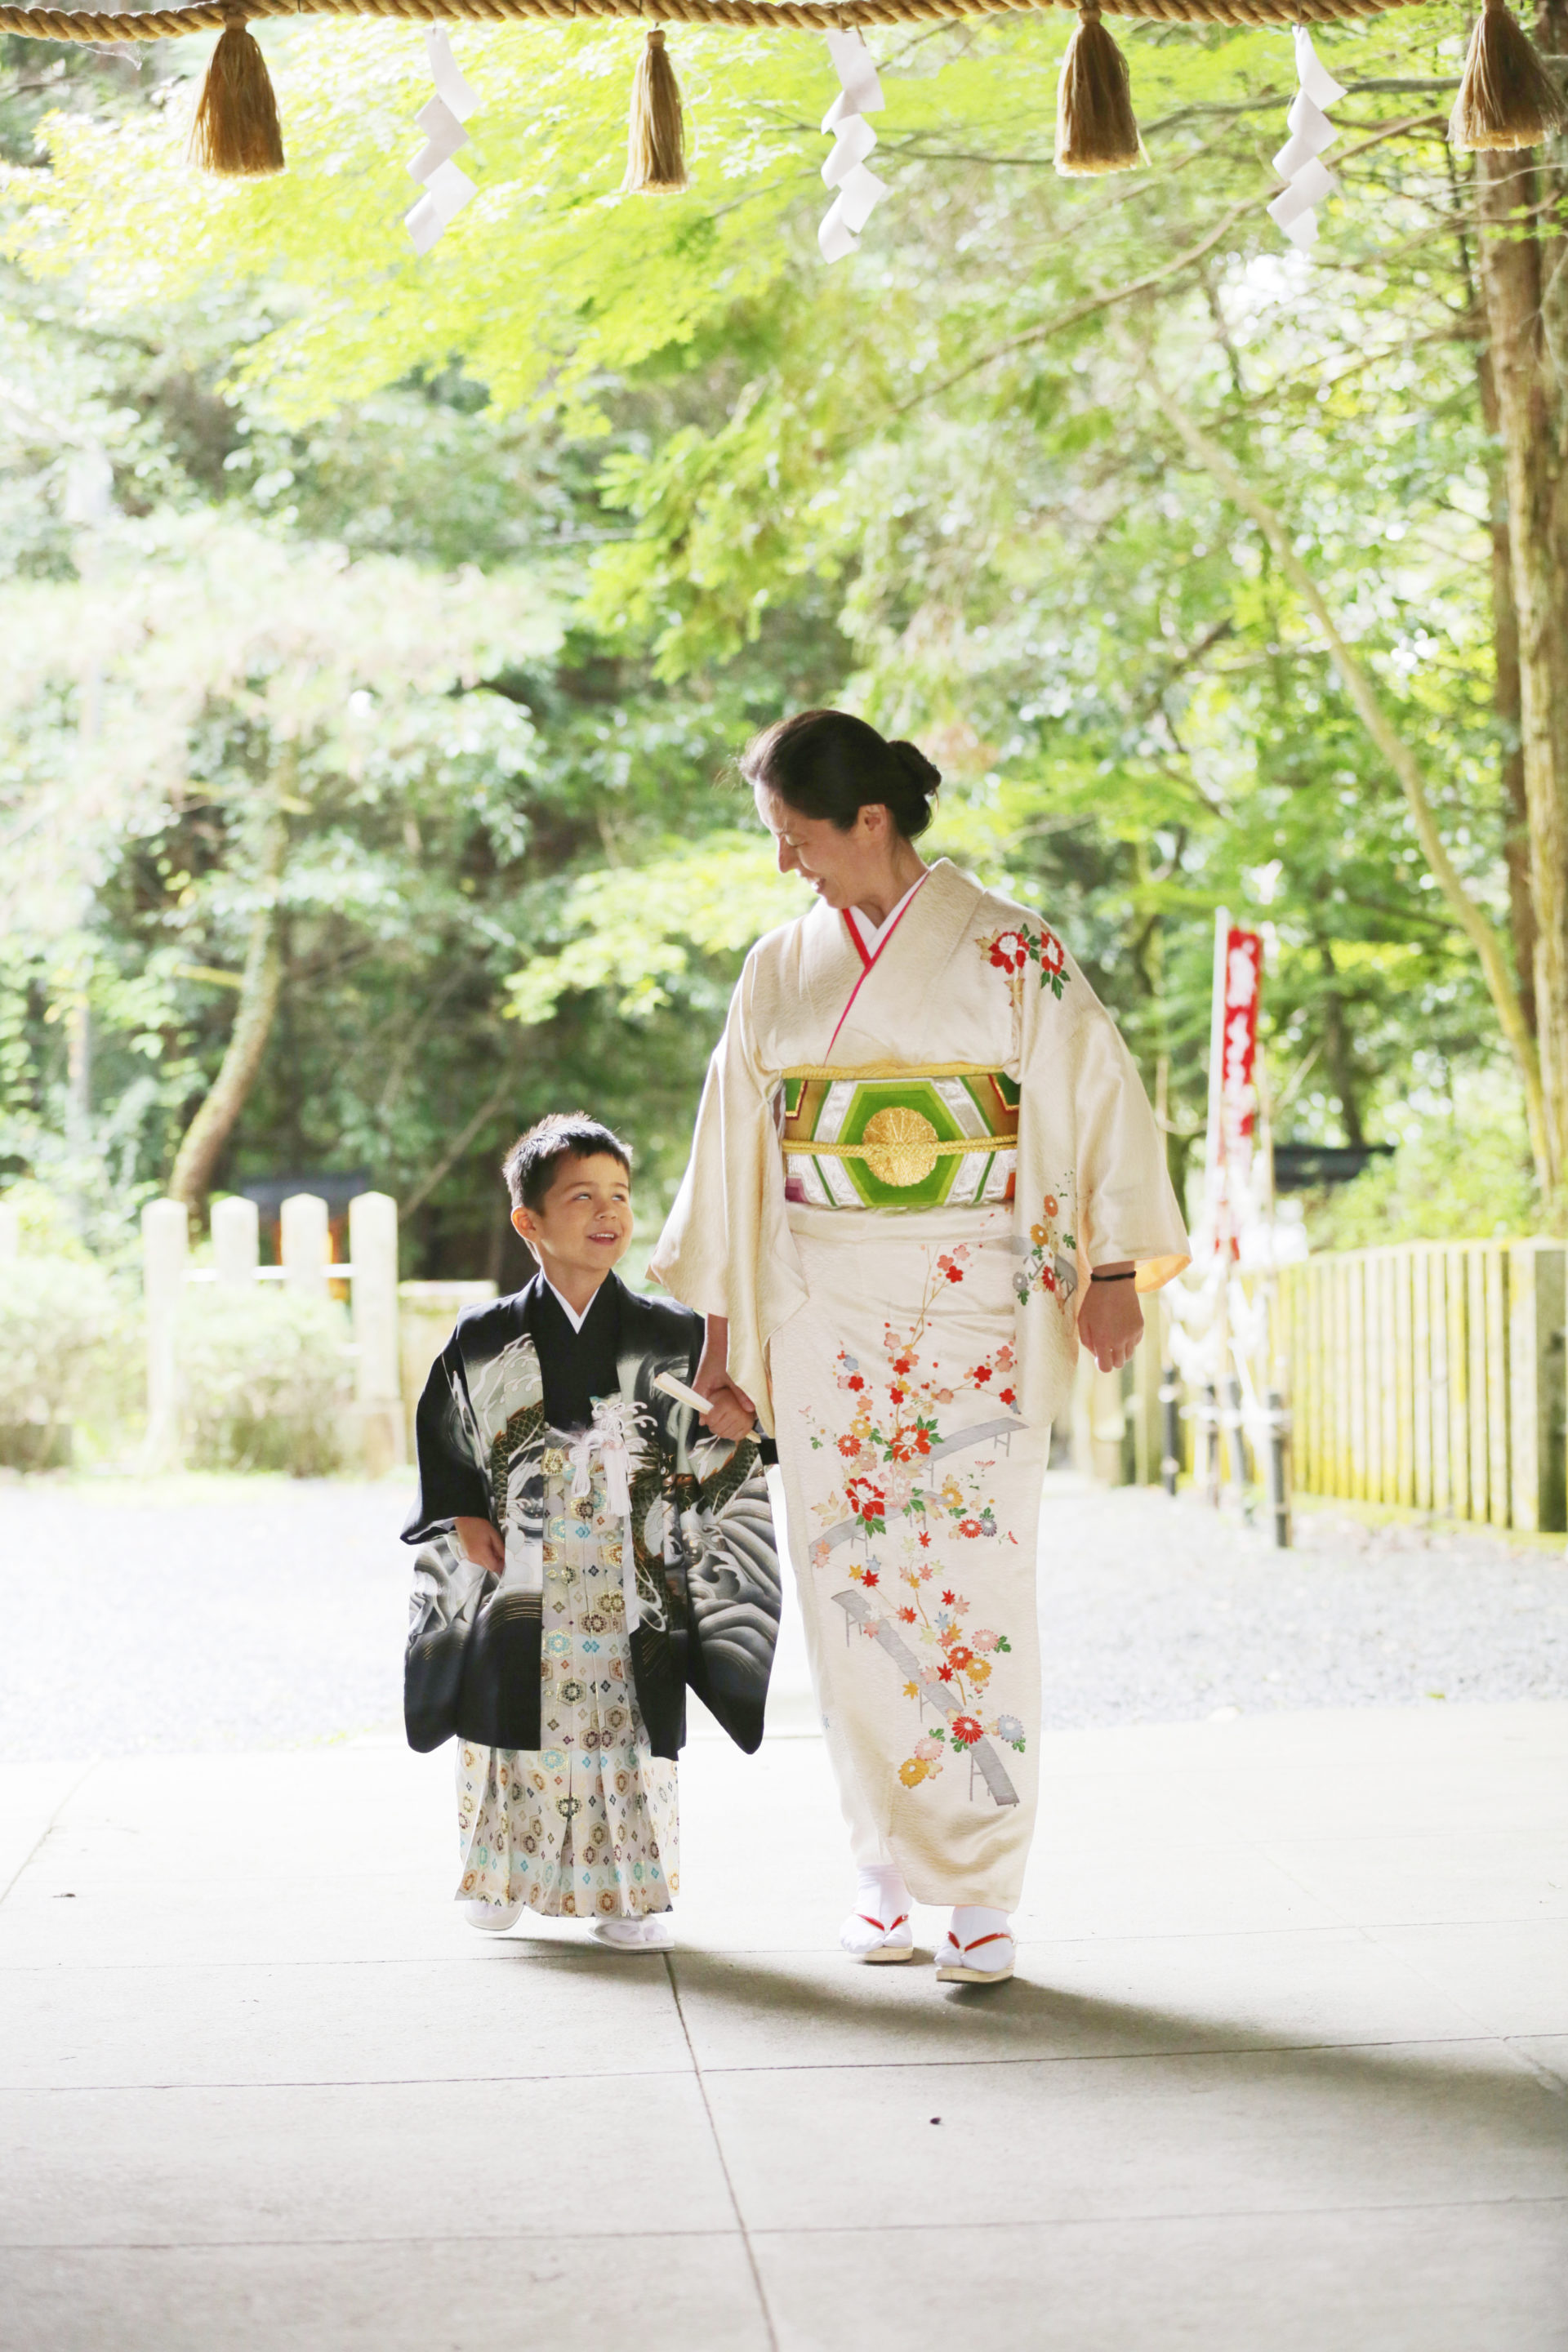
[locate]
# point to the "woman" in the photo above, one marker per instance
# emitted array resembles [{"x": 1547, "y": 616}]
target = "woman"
[{"x": 924, "y": 1169}]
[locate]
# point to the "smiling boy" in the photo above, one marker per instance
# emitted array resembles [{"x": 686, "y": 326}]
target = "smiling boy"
[{"x": 586, "y": 1556}]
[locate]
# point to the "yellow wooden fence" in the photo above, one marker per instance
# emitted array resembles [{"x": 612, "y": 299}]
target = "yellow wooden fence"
[{"x": 1431, "y": 1373}]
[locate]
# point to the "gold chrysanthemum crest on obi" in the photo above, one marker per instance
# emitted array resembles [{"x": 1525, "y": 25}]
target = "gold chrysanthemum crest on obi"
[
  {"x": 914, "y": 1487},
  {"x": 912, "y": 1139},
  {"x": 1019, "y": 950}
]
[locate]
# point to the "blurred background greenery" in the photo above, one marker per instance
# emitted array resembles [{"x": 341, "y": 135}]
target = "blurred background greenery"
[{"x": 379, "y": 631}]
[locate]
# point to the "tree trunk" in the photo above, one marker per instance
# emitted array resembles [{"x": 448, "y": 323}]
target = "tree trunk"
[
  {"x": 210, "y": 1129},
  {"x": 1509, "y": 717},
  {"x": 1532, "y": 418}
]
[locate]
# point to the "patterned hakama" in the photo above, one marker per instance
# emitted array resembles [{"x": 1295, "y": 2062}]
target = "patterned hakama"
[{"x": 586, "y": 1825}]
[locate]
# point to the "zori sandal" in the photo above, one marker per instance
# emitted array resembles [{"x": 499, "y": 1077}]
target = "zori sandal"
[
  {"x": 986, "y": 1959},
  {"x": 878, "y": 1942}
]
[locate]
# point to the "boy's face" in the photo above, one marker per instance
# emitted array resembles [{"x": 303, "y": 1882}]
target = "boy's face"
[{"x": 585, "y": 1222}]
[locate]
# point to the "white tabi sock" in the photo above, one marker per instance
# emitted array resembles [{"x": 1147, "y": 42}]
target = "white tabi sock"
[
  {"x": 651, "y": 1933},
  {"x": 491, "y": 1918},
  {"x": 880, "y": 1921},
  {"x": 980, "y": 1941}
]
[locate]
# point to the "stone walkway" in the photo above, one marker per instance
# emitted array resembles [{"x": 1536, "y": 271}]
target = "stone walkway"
[{"x": 1285, "y": 2067}]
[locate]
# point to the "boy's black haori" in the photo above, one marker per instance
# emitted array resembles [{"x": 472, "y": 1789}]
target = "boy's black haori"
[{"x": 706, "y": 1555}]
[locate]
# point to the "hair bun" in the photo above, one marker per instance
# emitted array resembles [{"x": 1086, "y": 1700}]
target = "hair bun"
[{"x": 919, "y": 769}]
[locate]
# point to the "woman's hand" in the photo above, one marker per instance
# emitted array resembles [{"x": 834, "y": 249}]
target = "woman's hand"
[
  {"x": 733, "y": 1412},
  {"x": 1110, "y": 1320},
  {"x": 481, "y": 1543}
]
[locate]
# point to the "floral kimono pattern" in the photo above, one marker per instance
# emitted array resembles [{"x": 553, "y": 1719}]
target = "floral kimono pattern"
[{"x": 910, "y": 1359}]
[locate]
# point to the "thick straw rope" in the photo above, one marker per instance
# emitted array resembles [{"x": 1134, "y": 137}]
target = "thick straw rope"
[{"x": 798, "y": 16}]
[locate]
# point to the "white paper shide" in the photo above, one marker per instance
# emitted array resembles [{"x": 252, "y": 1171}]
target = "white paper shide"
[
  {"x": 857, "y": 190},
  {"x": 1300, "y": 162},
  {"x": 446, "y": 186}
]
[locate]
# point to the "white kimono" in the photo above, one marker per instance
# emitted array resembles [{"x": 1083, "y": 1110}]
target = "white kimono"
[{"x": 910, "y": 1360}]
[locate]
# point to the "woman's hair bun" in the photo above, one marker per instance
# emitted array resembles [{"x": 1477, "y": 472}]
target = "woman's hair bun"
[
  {"x": 921, "y": 769},
  {"x": 827, "y": 763}
]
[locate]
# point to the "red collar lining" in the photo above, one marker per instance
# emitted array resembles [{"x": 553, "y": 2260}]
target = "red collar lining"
[{"x": 866, "y": 961}]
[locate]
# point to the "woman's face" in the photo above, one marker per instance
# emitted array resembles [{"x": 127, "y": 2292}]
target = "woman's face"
[{"x": 841, "y": 867}]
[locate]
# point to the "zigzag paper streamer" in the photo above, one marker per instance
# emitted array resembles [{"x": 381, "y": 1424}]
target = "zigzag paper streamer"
[
  {"x": 1298, "y": 163},
  {"x": 859, "y": 192},
  {"x": 441, "y": 118}
]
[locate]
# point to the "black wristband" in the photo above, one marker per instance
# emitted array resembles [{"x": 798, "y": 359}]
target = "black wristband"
[{"x": 1130, "y": 1275}]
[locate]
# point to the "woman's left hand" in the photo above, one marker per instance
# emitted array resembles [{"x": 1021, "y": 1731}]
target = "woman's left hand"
[{"x": 1110, "y": 1320}]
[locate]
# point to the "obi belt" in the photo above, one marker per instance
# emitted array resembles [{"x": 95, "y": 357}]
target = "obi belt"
[{"x": 898, "y": 1139}]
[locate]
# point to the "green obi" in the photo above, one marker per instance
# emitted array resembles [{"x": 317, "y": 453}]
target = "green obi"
[{"x": 892, "y": 1138}]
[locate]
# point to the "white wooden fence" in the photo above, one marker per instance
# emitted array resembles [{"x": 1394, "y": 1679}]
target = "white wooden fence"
[{"x": 370, "y": 1271}]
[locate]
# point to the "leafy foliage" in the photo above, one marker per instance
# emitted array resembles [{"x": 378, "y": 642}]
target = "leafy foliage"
[{"x": 699, "y": 478}]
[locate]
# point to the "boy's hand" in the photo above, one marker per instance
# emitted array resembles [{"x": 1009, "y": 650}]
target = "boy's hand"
[
  {"x": 1110, "y": 1320},
  {"x": 481, "y": 1543}
]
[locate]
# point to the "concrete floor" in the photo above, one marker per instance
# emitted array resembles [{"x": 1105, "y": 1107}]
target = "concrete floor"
[{"x": 1285, "y": 2068}]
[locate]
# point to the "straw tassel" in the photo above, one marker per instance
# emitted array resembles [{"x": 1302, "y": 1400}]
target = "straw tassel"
[
  {"x": 656, "y": 139},
  {"x": 1095, "y": 126},
  {"x": 234, "y": 130},
  {"x": 1507, "y": 97}
]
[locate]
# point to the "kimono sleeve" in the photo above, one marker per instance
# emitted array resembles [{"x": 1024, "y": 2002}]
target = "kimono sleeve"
[
  {"x": 725, "y": 1248},
  {"x": 453, "y": 1481},
  {"x": 734, "y": 1588},
  {"x": 1127, "y": 1208}
]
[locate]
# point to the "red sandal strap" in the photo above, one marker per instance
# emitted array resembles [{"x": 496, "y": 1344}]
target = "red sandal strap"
[
  {"x": 997, "y": 1935},
  {"x": 881, "y": 1930}
]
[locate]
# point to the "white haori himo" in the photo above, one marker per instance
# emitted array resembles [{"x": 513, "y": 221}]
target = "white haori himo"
[{"x": 907, "y": 1323}]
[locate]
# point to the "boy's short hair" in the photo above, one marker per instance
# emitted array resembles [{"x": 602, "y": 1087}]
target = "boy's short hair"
[{"x": 530, "y": 1166}]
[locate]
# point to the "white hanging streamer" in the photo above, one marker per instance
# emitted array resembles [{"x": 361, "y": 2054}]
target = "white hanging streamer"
[
  {"x": 1299, "y": 161},
  {"x": 446, "y": 187},
  {"x": 860, "y": 191}
]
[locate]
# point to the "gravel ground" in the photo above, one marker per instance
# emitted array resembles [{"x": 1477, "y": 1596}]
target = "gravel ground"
[
  {"x": 246, "y": 1613},
  {"x": 198, "y": 1612},
  {"x": 1159, "y": 1612}
]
